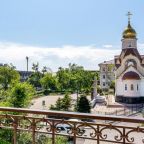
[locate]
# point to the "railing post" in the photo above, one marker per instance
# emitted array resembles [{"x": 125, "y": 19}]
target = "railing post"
[
  {"x": 53, "y": 132},
  {"x": 98, "y": 138},
  {"x": 33, "y": 130},
  {"x": 75, "y": 131},
  {"x": 15, "y": 131},
  {"x": 124, "y": 138}
]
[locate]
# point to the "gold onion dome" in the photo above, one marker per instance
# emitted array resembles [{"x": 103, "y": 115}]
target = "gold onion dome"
[{"x": 129, "y": 32}]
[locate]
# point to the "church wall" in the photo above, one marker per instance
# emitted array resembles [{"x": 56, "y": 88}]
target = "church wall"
[
  {"x": 142, "y": 87},
  {"x": 122, "y": 68},
  {"x": 133, "y": 88},
  {"x": 119, "y": 87}
]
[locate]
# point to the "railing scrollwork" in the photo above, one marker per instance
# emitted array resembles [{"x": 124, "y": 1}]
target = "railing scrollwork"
[{"x": 28, "y": 121}]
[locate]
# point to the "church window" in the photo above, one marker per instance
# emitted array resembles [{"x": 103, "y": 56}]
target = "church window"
[
  {"x": 125, "y": 87},
  {"x": 137, "y": 87},
  {"x": 103, "y": 83},
  {"x": 103, "y": 76},
  {"x": 132, "y": 87}
]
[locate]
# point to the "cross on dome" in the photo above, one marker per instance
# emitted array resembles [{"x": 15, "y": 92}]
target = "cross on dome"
[{"x": 129, "y": 14}]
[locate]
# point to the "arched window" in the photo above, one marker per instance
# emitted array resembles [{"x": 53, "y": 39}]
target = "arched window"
[
  {"x": 131, "y": 62},
  {"x": 132, "y": 87},
  {"x": 125, "y": 87}
]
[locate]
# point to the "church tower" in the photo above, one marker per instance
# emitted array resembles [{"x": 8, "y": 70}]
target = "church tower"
[
  {"x": 129, "y": 39},
  {"x": 129, "y": 69}
]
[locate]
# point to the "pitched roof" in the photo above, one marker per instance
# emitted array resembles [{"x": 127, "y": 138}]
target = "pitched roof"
[{"x": 108, "y": 62}]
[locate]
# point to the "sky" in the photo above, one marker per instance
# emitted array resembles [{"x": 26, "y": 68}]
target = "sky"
[{"x": 58, "y": 32}]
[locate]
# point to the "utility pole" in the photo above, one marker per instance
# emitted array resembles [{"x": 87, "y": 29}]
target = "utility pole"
[{"x": 27, "y": 58}]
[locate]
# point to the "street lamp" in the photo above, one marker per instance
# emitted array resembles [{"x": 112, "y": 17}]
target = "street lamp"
[{"x": 27, "y": 58}]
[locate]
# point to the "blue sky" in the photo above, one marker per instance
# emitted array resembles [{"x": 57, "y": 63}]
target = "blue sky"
[{"x": 56, "y": 32}]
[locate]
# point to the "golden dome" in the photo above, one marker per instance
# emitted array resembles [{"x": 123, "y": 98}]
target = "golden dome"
[{"x": 129, "y": 32}]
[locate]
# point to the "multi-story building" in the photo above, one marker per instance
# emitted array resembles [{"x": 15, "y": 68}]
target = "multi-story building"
[{"x": 106, "y": 74}]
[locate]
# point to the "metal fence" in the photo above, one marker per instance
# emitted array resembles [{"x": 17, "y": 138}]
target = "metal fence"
[
  {"x": 87, "y": 127},
  {"x": 125, "y": 111}
]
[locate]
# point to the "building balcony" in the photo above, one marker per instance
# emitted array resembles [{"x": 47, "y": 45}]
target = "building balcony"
[{"x": 76, "y": 128}]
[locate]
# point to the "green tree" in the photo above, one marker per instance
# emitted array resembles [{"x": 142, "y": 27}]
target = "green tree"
[
  {"x": 75, "y": 78},
  {"x": 49, "y": 82},
  {"x": 8, "y": 76},
  {"x": 66, "y": 102},
  {"x": 21, "y": 95},
  {"x": 35, "y": 67},
  {"x": 63, "y": 77},
  {"x": 62, "y": 104},
  {"x": 26, "y": 138},
  {"x": 83, "y": 105},
  {"x": 34, "y": 79},
  {"x": 58, "y": 105},
  {"x": 112, "y": 85},
  {"x": 6, "y": 136}
]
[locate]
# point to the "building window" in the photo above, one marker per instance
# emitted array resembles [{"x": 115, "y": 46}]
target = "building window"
[
  {"x": 125, "y": 87},
  {"x": 103, "y": 83},
  {"x": 103, "y": 76},
  {"x": 132, "y": 87},
  {"x": 103, "y": 69},
  {"x": 137, "y": 87}
]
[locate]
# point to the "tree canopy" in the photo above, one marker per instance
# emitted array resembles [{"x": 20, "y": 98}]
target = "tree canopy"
[
  {"x": 62, "y": 104},
  {"x": 20, "y": 95},
  {"x": 8, "y": 76},
  {"x": 48, "y": 81},
  {"x": 75, "y": 78},
  {"x": 83, "y": 105}
]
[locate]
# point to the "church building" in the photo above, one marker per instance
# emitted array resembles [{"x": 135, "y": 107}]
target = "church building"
[{"x": 129, "y": 69}]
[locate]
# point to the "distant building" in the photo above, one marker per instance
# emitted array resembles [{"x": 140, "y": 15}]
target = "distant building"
[
  {"x": 24, "y": 75},
  {"x": 106, "y": 74}
]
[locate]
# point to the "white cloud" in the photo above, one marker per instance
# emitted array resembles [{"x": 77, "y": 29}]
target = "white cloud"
[
  {"x": 107, "y": 46},
  {"x": 54, "y": 57}
]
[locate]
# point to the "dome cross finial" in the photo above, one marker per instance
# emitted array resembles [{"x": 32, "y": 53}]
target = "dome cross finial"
[{"x": 129, "y": 14}]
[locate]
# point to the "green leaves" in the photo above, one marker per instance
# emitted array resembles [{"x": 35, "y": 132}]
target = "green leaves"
[
  {"x": 75, "y": 78},
  {"x": 83, "y": 105},
  {"x": 49, "y": 82},
  {"x": 62, "y": 104},
  {"x": 20, "y": 95},
  {"x": 8, "y": 76}
]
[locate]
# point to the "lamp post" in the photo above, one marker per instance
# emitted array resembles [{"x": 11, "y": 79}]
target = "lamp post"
[{"x": 27, "y": 58}]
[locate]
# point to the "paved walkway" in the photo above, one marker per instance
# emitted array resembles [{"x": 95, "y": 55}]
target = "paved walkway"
[{"x": 50, "y": 99}]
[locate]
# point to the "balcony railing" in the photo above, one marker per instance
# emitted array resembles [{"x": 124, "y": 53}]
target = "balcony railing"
[{"x": 88, "y": 128}]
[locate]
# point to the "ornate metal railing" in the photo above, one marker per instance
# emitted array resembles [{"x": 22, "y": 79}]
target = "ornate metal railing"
[{"x": 87, "y": 128}]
